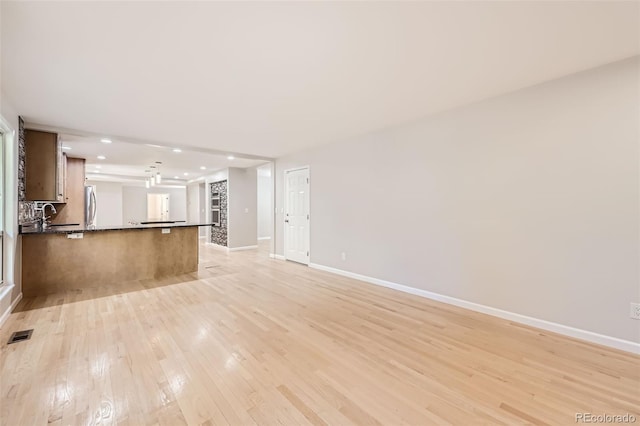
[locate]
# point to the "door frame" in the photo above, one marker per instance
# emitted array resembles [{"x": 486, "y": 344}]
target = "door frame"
[
  {"x": 308, "y": 206},
  {"x": 6, "y": 137},
  {"x": 9, "y": 206}
]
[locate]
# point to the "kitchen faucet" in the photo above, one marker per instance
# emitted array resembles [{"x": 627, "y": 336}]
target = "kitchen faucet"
[{"x": 44, "y": 218}]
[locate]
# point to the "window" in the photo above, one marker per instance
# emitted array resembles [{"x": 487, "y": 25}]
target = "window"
[{"x": 3, "y": 142}]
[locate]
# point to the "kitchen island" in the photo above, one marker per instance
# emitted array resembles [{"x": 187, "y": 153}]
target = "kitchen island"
[{"x": 72, "y": 257}]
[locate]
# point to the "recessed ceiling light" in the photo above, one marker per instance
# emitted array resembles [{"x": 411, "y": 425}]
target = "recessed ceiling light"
[
  {"x": 203, "y": 168},
  {"x": 154, "y": 146},
  {"x": 177, "y": 150},
  {"x": 96, "y": 171},
  {"x": 105, "y": 140},
  {"x": 186, "y": 174},
  {"x": 98, "y": 166},
  {"x": 176, "y": 177},
  {"x": 66, "y": 148},
  {"x": 231, "y": 157},
  {"x": 101, "y": 157}
]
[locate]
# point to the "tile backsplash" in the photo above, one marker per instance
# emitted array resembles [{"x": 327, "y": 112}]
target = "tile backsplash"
[{"x": 26, "y": 212}]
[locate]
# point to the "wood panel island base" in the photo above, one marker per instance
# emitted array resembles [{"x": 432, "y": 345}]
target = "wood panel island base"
[{"x": 52, "y": 262}]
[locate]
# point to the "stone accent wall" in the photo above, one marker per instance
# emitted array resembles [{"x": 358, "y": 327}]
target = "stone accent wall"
[
  {"x": 219, "y": 233},
  {"x": 22, "y": 181},
  {"x": 26, "y": 213}
]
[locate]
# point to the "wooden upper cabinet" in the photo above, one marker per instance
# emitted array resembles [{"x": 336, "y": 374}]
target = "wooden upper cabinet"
[
  {"x": 41, "y": 166},
  {"x": 73, "y": 209}
]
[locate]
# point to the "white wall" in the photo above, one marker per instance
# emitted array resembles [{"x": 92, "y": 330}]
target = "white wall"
[
  {"x": 265, "y": 202},
  {"x": 243, "y": 206},
  {"x": 193, "y": 202},
  {"x": 134, "y": 202},
  {"x": 528, "y": 202},
  {"x": 196, "y": 205},
  {"x": 109, "y": 203},
  {"x": 202, "y": 216}
]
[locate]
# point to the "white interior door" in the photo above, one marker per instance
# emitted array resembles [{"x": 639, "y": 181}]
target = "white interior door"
[
  {"x": 157, "y": 207},
  {"x": 296, "y": 220},
  {"x": 164, "y": 207}
]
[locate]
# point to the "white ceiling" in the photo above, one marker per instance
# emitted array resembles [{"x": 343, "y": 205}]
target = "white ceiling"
[
  {"x": 132, "y": 162},
  {"x": 272, "y": 78}
]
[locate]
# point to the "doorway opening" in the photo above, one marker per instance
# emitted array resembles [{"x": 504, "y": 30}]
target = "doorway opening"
[{"x": 265, "y": 202}]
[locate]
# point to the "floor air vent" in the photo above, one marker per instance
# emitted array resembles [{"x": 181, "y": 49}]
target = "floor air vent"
[{"x": 20, "y": 336}]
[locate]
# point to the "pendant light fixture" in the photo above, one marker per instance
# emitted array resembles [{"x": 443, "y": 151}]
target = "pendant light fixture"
[
  {"x": 147, "y": 179},
  {"x": 158, "y": 176},
  {"x": 152, "y": 176}
]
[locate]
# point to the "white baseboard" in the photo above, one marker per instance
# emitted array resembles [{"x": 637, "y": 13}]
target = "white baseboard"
[
  {"x": 589, "y": 336},
  {"x": 217, "y": 247},
  {"x": 10, "y": 309},
  {"x": 277, "y": 256},
  {"x": 243, "y": 248},
  {"x": 264, "y": 238}
]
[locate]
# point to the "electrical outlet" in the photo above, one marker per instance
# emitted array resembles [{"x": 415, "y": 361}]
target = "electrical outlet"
[
  {"x": 343, "y": 256},
  {"x": 166, "y": 230},
  {"x": 635, "y": 311}
]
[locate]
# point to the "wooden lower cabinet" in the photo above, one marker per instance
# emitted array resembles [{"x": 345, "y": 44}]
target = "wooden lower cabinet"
[{"x": 53, "y": 263}]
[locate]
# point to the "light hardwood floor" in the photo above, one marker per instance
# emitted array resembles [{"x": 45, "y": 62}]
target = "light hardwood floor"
[{"x": 251, "y": 340}]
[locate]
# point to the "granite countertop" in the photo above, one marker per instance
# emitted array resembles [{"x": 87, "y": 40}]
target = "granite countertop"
[{"x": 76, "y": 228}]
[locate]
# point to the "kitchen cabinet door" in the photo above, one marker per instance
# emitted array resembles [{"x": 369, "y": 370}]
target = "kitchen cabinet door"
[
  {"x": 73, "y": 209},
  {"x": 41, "y": 166}
]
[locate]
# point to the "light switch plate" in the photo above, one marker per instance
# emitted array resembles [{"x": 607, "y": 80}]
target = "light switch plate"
[
  {"x": 166, "y": 230},
  {"x": 76, "y": 236}
]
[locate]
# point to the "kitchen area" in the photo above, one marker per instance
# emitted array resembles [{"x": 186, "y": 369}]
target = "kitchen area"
[
  {"x": 93, "y": 212},
  {"x": 56, "y": 191}
]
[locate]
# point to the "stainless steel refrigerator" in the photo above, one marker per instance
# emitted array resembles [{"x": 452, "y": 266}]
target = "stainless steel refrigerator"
[{"x": 90, "y": 206}]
